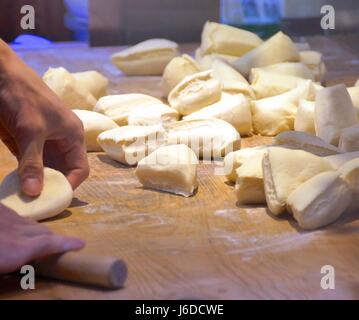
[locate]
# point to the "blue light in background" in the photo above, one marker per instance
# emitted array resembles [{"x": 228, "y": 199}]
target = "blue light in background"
[{"x": 31, "y": 41}]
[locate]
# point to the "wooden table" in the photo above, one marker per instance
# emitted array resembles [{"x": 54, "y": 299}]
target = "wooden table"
[{"x": 203, "y": 247}]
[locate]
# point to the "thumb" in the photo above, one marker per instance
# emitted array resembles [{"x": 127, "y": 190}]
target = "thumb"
[{"x": 31, "y": 168}]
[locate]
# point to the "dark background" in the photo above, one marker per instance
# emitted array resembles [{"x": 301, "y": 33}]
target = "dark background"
[{"x": 49, "y": 19}]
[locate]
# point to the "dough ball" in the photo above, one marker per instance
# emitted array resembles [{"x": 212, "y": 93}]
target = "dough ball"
[{"x": 56, "y": 196}]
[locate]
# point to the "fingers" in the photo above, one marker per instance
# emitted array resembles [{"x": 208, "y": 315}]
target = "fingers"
[
  {"x": 77, "y": 165},
  {"x": 31, "y": 168},
  {"x": 46, "y": 245}
]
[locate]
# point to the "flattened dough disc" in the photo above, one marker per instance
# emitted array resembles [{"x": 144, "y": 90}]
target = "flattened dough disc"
[{"x": 56, "y": 196}]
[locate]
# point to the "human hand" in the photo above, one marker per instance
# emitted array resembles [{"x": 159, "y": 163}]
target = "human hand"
[
  {"x": 23, "y": 241},
  {"x": 37, "y": 128}
]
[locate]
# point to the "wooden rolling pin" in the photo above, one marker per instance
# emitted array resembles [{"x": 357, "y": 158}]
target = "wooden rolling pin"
[{"x": 105, "y": 272}]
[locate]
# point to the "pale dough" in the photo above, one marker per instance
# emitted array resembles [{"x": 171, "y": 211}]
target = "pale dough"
[
  {"x": 55, "y": 197},
  {"x": 314, "y": 61},
  {"x": 354, "y": 95},
  {"x": 334, "y": 111},
  {"x": 152, "y": 114},
  {"x": 149, "y": 57},
  {"x": 176, "y": 71},
  {"x": 304, "y": 120},
  {"x": 284, "y": 170},
  {"x": 195, "y": 92},
  {"x": 130, "y": 144},
  {"x": 205, "y": 61},
  {"x": 320, "y": 200},
  {"x": 235, "y": 109},
  {"x": 306, "y": 142},
  {"x": 93, "y": 81},
  {"x": 170, "y": 168},
  {"x": 249, "y": 185},
  {"x": 274, "y": 115},
  {"x": 302, "y": 46},
  {"x": 268, "y": 84},
  {"x": 232, "y": 81},
  {"x": 233, "y": 160},
  {"x": 224, "y": 39},
  {"x": 350, "y": 173},
  {"x": 338, "y": 160},
  {"x": 296, "y": 69},
  {"x": 208, "y": 138},
  {"x": 119, "y": 107},
  {"x": 71, "y": 92},
  {"x": 278, "y": 48},
  {"x": 349, "y": 139},
  {"x": 94, "y": 123}
]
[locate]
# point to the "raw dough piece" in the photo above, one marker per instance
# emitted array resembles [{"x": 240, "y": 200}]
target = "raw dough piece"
[
  {"x": 338, "y": 160},
  {"x": 176, "y": 71},
  {"x": 235, "y": 159},
  {"x": 55, "y": 197},
  {"x": 235, "y": 109},
  {"x": 314, "y": 61},
  {"x": 153, "y": 114},
  {"x": 68, "y": 89},
  {"x": 350, "y": 173},
  {"x": 320, "y": 200},
  {"x": 354, "y": 95},
  {"x": 147, "y": 58},
  {"x": 232, "y": 81},
  {"x": 334, "y": 111},
  {"x": 268, "y": 84},
  {"x": 195, "y": 92},
  {"x": 284, "y": 170},
  {"x": 249, "y": 185},
  {"x": 208, "y": 138},
  {"x": 205, "y": 61},
  {"x": 118, "y": 107},
  {"x": 304, "y": 120},
  {"x": 302, "y": 46},
  {"x": 296, "y": 69},
  {"x": 130, "y": 144},
  {"x": 306, "y": 142},
  {"x": 220, "y": 38},
  {"x": 170, "y": 168},
  {"x": 93, "y": 81},
  {"x": 274, "y": 115},
  {"x": 278, "y": 48},
  {"x": 349, "y": 139},
  {"x": 94, "y": 123}
]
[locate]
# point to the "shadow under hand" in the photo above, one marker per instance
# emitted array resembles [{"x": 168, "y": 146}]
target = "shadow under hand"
[
  {"x": 63, "y": 215},
  {"x": 76, "y": 202}
]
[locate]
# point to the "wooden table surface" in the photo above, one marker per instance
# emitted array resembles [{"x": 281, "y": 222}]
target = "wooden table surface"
[{"x": 203, "y": 247}]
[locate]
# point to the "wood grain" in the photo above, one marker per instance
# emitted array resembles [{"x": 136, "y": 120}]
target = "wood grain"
[{"x": 202, "y": 247}]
